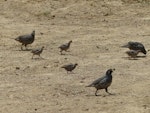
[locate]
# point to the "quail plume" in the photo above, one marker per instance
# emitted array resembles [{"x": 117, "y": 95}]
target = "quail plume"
[
  {"x": 26, "y": 39},
  {"x": 103, "y": 82}
]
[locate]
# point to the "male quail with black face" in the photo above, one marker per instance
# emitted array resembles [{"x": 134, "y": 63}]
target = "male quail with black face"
[{"x": 103, "y": 82}]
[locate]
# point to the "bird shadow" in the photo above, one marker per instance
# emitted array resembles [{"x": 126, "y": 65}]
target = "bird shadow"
[
  {"x": 70, "y": 73},
  {"x": 128, "y": 58},
  {"x": 62, "y": 54},
  {"x": 65, "y": 54},
  {"x": 93, "y": 95},
  {"x": 67, "y": 51},
  {"x": 23, "y": 50},
  {"x": 110, "y": 94},
  {"x": 40, "y": 58},
  {"x": 141, "y": 56},
  {"x": 133, "y": 59}
]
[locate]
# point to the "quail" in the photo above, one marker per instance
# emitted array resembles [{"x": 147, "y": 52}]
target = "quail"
[
  {"x": 65, "y": 47},
  {"x": 26, "y": 39},
  {"x": 103, "y": 82},
  {"x": 37, "y": 51},
  {"x": 135, "y": 46},
  {"x": 69, "y": 67},
  {"x": 133, "y": 53}
]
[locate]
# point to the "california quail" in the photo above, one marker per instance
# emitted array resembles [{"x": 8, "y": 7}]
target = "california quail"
[
  {"x": 37, "y": 51},
  {"x": 103, "y": 82},
  {"x": 65, "y": 47},
  {"x": 26, "y": 39},
  {"x": 69, "y": 67},
  {"x": 133, "y": 53},
  {"x": 135, "y": 46}
]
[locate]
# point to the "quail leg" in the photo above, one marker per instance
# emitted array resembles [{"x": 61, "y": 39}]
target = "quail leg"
[
  {"x": 107, "y": 91},
  {"x": 26, "y": 47},
  {"x": 22, "y": 46},
  {"x": 96, "y": 92}
]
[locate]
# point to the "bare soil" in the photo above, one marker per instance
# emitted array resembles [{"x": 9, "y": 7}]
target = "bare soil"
[{"x": 97, "y": 28}]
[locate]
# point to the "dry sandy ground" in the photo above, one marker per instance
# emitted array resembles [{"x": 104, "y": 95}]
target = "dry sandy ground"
[{"x": 97, "y": 28}]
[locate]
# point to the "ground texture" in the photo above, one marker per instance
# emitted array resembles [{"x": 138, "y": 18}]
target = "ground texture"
[{"x": 97, "y": 28}]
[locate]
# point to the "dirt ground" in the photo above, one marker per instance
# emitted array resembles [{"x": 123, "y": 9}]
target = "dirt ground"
[{"x": 97, "y": 28}]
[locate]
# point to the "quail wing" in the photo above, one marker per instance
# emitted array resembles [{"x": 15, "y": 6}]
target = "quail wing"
[
  {"x": 97, "y": 82},
  {"x": 63, "y": 46}
]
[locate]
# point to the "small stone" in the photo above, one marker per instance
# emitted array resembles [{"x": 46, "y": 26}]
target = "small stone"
[
  {"x": 17, "y": 68},
  {"x": 44, "y": 66},
  {"x": 41, "y": 33}
]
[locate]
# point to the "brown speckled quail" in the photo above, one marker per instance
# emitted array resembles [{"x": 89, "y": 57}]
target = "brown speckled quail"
[
  {"x": 133, "y": 53},
  {"x": 69, "y": 67},
  {"x": 37, "y": 51},
  {"x": 65, "y": 47}
]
